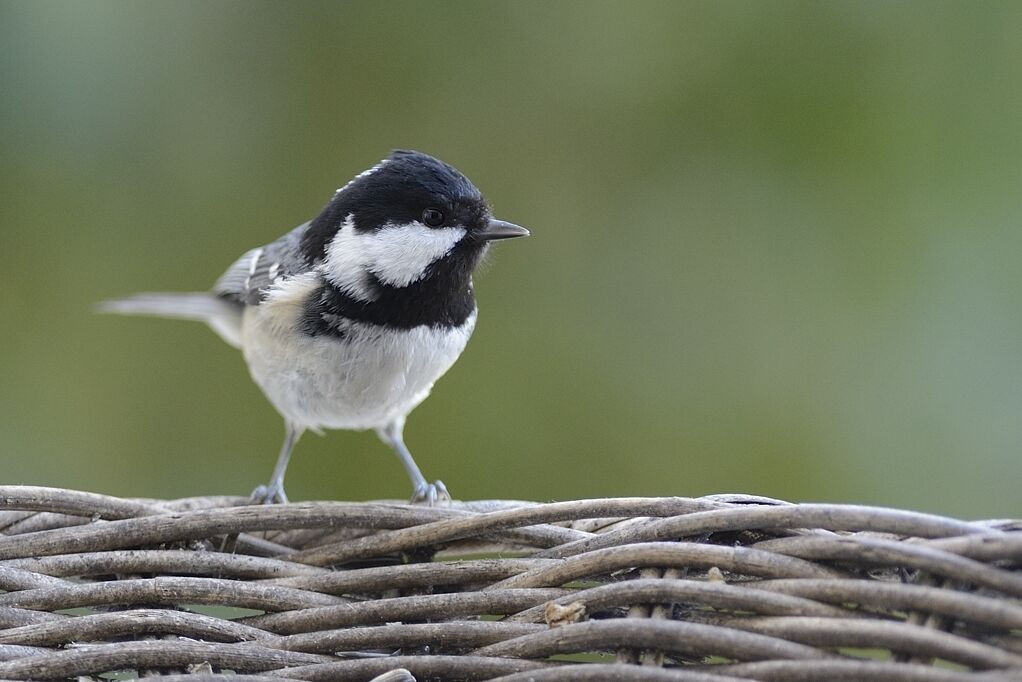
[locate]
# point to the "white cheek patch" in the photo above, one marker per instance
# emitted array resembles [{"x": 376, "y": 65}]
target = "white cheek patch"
[
  {"x": 343, "y": 263},
  {"x": 400, "y": 254},
  {"x": 397, "y": 255}
]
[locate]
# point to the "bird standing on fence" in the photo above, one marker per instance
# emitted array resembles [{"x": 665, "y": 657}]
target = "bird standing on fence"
[{"x": 348, "y": 320}]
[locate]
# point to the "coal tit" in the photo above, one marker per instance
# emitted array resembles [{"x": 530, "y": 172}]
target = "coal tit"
[{"x": 348, "y": 320}]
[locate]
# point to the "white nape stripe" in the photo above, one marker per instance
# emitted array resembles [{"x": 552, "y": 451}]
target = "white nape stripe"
[
  {"x": 396, "y": 254},
  {"x": 363, "y": 174}
]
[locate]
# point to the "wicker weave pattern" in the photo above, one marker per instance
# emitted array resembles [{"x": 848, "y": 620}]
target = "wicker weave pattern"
[{"x": 714, "y": 589}]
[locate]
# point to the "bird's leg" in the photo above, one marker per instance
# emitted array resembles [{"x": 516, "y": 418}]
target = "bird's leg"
[
  {"x": 274, "y": 492},
  {"x": 429, "y": 493}
]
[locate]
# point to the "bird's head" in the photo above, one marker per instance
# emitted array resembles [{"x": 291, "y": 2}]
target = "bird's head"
[{"x": 407, "y": 218}]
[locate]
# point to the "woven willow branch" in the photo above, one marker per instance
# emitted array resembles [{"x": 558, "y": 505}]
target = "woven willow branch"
[{"x": 718, "y": 589}]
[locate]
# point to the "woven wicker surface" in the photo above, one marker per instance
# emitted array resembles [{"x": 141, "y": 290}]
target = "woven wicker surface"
[{"x": 717, "y": 589}]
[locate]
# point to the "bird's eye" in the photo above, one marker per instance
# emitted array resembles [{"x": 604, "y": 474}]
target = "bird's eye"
[{"x": 433, "y": 217}]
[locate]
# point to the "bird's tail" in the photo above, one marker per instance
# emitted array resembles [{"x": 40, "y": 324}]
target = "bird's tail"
[{"x": 223, "y": 316}]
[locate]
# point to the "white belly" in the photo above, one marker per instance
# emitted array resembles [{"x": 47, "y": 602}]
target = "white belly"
[{"x": 366, "y": 380}]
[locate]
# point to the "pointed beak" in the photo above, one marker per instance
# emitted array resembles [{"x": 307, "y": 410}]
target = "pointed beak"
[{"x": 499, "y": 229}]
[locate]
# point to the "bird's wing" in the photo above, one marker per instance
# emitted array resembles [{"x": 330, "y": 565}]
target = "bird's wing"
[{"x": 249, "y": 278}]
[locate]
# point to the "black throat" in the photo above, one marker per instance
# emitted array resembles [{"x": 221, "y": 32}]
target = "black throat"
[{"x": 443, "y": 298}]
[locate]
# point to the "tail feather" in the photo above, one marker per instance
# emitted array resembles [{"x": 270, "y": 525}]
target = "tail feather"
[{"x": 224, "y": 317}]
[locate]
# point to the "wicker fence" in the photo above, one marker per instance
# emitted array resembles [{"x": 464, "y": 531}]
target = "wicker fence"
[{"x": 715, "y": 589}]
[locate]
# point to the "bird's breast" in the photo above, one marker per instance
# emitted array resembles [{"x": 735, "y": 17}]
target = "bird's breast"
[{"x": 363, "y": 378}]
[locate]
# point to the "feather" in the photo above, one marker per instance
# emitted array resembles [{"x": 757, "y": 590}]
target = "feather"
[{"x": 222, "y": 315}]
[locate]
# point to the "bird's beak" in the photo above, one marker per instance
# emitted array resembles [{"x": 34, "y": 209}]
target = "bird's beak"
[{"x": 499, "y": 229}]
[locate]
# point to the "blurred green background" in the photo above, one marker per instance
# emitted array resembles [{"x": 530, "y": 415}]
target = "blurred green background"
[{"x": 776, "y": 245}]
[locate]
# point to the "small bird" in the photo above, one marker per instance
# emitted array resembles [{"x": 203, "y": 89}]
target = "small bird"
[{"x": 346, "y": 321}]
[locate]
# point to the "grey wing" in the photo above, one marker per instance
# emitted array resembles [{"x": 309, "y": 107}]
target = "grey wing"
[{"x": 249, "y": 278}]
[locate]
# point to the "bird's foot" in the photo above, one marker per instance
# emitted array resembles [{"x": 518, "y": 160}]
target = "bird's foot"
[
  {"x": 431, "y": 494},
  {"x": 269, "y": 494}
]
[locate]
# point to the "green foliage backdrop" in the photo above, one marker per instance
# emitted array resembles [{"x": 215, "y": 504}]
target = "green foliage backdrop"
[{"x": 776, "y": 244}]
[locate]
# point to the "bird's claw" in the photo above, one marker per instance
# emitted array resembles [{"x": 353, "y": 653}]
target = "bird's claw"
[
  {"x": 269, "y": 494},
  {"x": 431, "y": 494}
]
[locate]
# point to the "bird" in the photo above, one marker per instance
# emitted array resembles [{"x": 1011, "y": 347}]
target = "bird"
[{"x": 346, "y": 321}]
